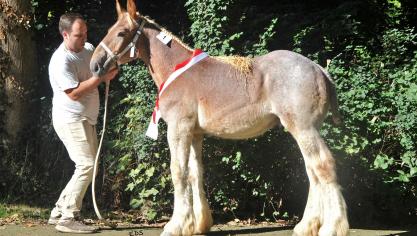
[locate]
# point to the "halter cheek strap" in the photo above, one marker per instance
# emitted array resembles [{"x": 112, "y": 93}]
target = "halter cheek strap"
[
  {"x": 132, "y": 46},
  {"x": 107, "y": 49}
]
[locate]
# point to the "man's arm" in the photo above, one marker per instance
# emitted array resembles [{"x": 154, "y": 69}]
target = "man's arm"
[{"x": 88, "y": 85}]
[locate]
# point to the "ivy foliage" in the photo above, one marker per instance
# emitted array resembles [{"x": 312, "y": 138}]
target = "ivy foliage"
[
  {"x": 141, "y": 163},
  {"x": 377, "y": 93},
  {"x": 217, "y": 28}
]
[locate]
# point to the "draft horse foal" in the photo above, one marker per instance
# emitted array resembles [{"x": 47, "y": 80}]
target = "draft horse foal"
[{"x": 232, "y": 98}]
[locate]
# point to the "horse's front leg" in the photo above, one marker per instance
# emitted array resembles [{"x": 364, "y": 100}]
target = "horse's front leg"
[
  {"x": 179, "y": 140},
  {"x": 202, "y": 213}
]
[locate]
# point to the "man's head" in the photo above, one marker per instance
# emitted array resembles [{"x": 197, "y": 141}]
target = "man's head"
[{"x": 74, "y": 31}]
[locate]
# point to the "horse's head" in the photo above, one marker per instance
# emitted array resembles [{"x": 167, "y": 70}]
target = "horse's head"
[{"x": 118, "y": 46}]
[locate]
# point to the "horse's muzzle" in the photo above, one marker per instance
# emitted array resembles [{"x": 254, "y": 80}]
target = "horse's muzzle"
[{"x": 99, "y": 69}]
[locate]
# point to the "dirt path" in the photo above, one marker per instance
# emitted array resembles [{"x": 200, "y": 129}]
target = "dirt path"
[{"x": 46, "y": 230}]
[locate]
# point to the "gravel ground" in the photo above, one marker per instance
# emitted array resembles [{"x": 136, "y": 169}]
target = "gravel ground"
[{"x": 137, "y": 230}]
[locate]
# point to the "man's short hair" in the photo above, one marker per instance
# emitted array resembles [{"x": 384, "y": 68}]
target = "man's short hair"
[{"x": 66, "y": 21}]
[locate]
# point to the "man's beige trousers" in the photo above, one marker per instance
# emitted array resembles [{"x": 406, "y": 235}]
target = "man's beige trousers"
[{"x": 80, "y": 140}]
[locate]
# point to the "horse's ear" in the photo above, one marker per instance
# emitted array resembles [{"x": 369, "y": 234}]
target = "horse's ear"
[
  {"x": 131, "y": 8},
  {"x": 119, "y": 9}
]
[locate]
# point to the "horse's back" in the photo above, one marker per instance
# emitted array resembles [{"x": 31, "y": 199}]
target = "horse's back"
[{"x": 286, "y": 63}]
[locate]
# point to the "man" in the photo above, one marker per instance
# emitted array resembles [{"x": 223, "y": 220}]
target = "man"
[{"x": 75, "y": 109}]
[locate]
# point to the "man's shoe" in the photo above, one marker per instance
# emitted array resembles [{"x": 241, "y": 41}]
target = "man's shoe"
[
  {"x": 53, "y": 220},
  {"x": 74, "y": 226}
]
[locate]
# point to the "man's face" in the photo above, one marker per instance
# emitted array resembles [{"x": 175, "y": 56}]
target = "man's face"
[{"x": 76, "y": 39}]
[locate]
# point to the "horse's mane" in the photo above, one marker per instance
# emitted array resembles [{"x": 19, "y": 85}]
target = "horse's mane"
[
  {"x": 157, "y": 26},
  {"x": 243, "y": 64}
]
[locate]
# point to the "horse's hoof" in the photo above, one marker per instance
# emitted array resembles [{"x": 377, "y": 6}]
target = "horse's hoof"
[{"x": 166, "y": 234}]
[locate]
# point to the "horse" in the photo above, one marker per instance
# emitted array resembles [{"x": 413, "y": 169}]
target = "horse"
[{"x": 231, "y": 98}]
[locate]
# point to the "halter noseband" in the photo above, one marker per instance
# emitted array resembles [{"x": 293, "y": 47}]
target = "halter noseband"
[{"x": 132, "y": 45}]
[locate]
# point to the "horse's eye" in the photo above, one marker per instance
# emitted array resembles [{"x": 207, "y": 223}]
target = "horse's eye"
[{"x": 122, "y": 34}]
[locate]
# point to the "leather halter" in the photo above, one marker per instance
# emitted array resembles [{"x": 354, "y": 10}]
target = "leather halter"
[{"x": 114, "y": 57}]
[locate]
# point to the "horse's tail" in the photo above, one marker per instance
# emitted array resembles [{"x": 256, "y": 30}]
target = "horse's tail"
[{"x": 334, "y": 104}]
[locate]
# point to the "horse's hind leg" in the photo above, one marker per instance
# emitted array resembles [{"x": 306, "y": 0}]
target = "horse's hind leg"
[
  {"x": 202, "y": 213},
  {"x": 325, "y": 212}
]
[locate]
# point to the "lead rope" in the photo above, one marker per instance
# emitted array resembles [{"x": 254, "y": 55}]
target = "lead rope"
[
  {"x": 112, "y": 57},
  {"x": 98, "y": 152}
]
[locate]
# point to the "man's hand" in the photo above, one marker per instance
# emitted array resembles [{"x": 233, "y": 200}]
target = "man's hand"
[
  {"x": 110, "y": 75},
  {"x": 87, "y": 85}
]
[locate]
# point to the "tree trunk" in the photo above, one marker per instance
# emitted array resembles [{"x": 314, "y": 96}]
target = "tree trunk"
[{"x": 18, "y": 69}]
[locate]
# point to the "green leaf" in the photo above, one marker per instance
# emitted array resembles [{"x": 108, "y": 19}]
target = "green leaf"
[
  {"x": 413, "y": 171},
  {"x": 149, "y": 172},
  {"x": 151, "y": 215},
  {"x": 135, "y": 203}
]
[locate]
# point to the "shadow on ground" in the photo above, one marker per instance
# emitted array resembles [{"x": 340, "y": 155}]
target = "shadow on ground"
[
  {"x": 250, "y": 231},
  {"x": 401, "y": 231}
]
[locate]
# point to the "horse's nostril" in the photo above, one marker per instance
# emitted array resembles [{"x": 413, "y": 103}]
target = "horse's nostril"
[{"x": 96, "y": 67}]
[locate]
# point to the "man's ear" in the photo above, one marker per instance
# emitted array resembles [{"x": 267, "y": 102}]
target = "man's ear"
[{"x": 65, "y": 34}]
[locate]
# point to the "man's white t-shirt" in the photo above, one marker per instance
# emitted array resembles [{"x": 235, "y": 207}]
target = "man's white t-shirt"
[{"x": 66, "y": 70}]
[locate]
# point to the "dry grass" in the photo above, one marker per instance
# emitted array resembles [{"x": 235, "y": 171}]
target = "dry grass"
[
  {"x": 22, "y": 214},
  {"x": 243, "y": 64}
]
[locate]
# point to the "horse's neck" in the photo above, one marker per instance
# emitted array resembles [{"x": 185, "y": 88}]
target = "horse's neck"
[{"x": 163, "y": 58}]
